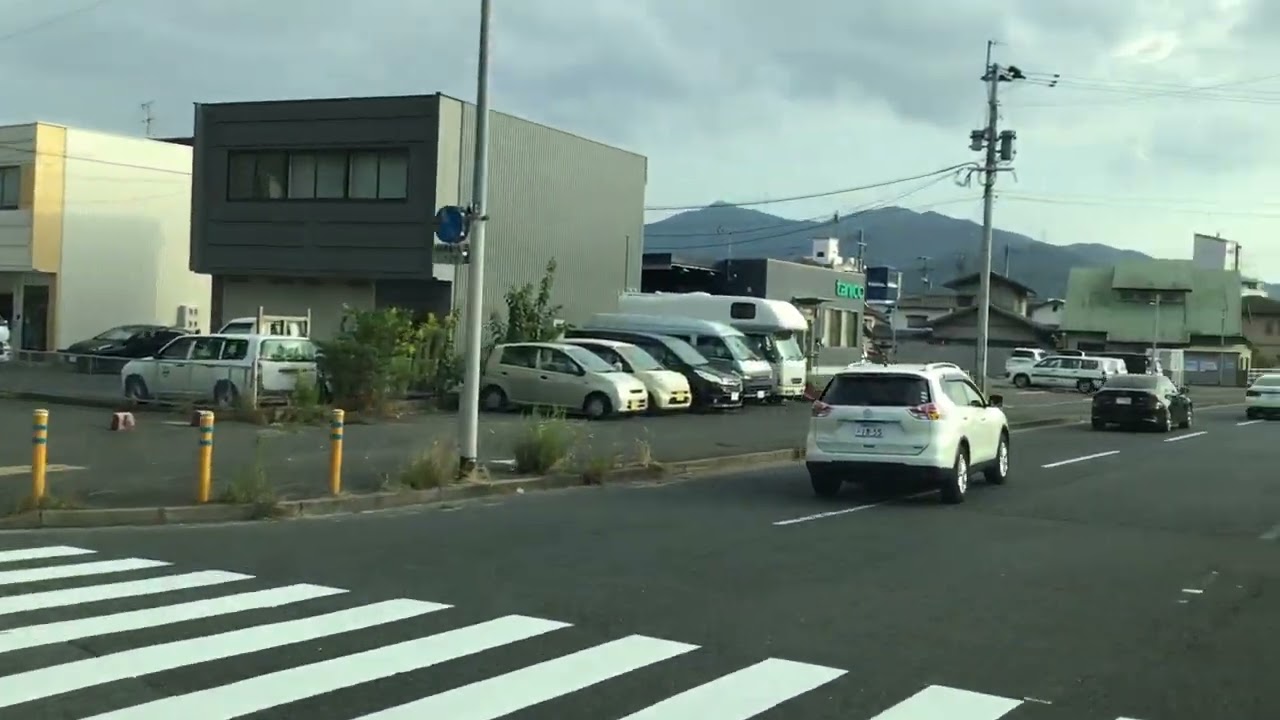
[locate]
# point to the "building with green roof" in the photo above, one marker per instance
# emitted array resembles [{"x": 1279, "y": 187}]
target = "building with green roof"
[{"x": 1168, "y": 303}]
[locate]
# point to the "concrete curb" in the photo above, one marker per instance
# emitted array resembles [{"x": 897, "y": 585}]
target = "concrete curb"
[
  {"x": 119, "y": 404},
  {"x": 370, "y": 502}
]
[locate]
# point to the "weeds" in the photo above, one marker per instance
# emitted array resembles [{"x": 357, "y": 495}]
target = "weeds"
[
  {"x": 48, "y": 502},
  {"x": 251, "y": 485},
  {"x": 596, "y": 469},
  {"x": 434, "y": 467},
  {"x": 546, "y": 442}
]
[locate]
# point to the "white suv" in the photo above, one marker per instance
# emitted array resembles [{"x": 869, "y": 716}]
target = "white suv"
[{"x": 891, "y": 421}]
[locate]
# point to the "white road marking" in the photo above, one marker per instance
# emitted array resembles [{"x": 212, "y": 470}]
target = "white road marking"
[
  {"x": 506, "y": 694},
  {"x": 42, "y": 553},
  {"x": 21, "y": 638},
  {"x": 1188, "y": 435},
  {"x": 1193, "y": 591},
  {"x": 114, "y": 591},
  {"x": 263, "y": 692},
  {"x": 1082, "y": 458},
  {"x": 1271, "y": 534},
  {"x": 854, "y": 509},
  {"x": 59, "y": 572},
  {"x": 937, "y": 701},
  {"x": 743, "y": 694},
  {"x": 8, "y": 470},
  {"x": 78, "y": 675},
  {"x": 1248, "y": 422}
]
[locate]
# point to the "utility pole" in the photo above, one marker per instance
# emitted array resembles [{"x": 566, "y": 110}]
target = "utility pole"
[
  {"x": 924, "y": 271},
  {"x": 147, "y": 118},
  {"x": 1006, "y": 260},
  {"x": 999, "y": 148},
  {"x": 469, "y": 432}
]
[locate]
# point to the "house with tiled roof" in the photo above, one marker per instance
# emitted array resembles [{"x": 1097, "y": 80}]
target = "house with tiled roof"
[{"x": 1260, "y": 318}]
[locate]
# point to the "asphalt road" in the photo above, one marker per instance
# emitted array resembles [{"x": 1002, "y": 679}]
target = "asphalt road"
[
  {"x": 1117, "y": 575},
  {"x": 154, "y": 464}
]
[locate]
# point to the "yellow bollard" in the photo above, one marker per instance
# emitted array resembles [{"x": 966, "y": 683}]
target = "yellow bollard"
[
  {"x": 39, "y": 452},
  {"x": 337, "y": 422},
  {"x": 205, "y": 469}
]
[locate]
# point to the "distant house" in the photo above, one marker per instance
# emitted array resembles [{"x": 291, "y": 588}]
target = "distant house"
[
  {"x": 1047, "y": 312},
  {"x": 1009, "y": 324},
  {"x": 1170, "y": 303},
  {"x": 917, "y": 312},
  {"x": 1261, "y": 322}
]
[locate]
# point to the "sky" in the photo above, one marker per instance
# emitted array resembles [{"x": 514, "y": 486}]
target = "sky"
[{"x": 1161, "y": 123}]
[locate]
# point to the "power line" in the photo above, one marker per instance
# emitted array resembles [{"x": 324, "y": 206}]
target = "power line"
[
  {"x": 53, "y": 19},
  {"x": 100, "y": 161},
  {"x": 816, "y": 195},
  {"x": 1121, "y": 205},
  {"x": 1140, "y": 92}
]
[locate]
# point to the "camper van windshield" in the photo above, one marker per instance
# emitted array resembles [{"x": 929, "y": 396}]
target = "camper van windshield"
[
  {"x": 788, "y": 346},
  {"x": 764, "y": 346},
  {"x": 739, "y": 348}
]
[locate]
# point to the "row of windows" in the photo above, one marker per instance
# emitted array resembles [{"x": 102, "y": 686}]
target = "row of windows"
[
  {"x": 1150, "y": 296},
  {"x": 318, "y": 175},
  {"x": 10, "y": 187}
]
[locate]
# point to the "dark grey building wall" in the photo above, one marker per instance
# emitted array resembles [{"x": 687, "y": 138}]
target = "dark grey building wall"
[
  {"x": 314, "y": 238},
  {"x": 786, "y": 280},
  {"x": 552, "y": 195}
]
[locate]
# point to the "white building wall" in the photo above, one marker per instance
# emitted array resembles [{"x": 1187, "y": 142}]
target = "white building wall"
[
  {"x": 17, "y": 148},
  {"x": 125, "y": 236}
]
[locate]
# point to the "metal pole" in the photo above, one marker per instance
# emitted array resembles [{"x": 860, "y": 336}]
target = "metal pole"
[
  {"x": 1155, "y": 336},
  {"x": 988, "y": 196},
  {"x": 469, "y": 415}
]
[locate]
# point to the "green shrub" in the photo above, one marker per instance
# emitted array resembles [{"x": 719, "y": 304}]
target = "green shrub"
[
  {"x": 545, "y": 443},
  {"x": 434, "y": 467}
]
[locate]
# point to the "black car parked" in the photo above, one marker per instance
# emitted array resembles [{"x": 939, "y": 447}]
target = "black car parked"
[
  {"x": 108, "y": 352},
  {"x": 711, "y": 388},
  {"x": 1142, "y": 401}
]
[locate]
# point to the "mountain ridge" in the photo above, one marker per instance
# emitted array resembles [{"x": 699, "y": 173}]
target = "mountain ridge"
[{"x": 928, "y": 247}]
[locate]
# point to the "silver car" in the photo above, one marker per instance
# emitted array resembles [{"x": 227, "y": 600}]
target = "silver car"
[{"x": 561, "y": 376}]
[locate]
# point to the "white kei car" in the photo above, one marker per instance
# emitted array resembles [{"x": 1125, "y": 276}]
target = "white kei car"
[
  {"x": 1262, "y": 399},
  {"x": 891, "y": 422}
]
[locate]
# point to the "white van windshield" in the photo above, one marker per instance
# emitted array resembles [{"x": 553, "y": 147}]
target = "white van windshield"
[
  {"x": 739, "y": 348},
  {"x": 763, "y": 345},
  {"x": 788, "y": 346}
]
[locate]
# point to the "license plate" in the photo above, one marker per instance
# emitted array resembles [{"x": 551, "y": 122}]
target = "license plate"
[
  {"x": 733, "y": 397},
  {"x": 1124, "y": 401},
  {"x": 759, "y": 394},
  {"x": 868, "y": 431}
]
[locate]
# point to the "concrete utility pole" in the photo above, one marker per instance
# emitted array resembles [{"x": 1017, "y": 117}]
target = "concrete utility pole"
[
  {"x": 999, "y": 148},
  {"x": 148, "y": 119},
  {"x": 469, "y": 417}
]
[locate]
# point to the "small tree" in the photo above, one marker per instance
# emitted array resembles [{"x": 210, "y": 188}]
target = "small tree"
[
  {"x": 530, "y": 316},
  {"x": 372, "y": 357}
]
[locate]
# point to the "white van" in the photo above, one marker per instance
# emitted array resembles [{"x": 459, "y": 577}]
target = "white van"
[
  {"x": 725, "y": 347},
  {"x": 773, "y": 328}
]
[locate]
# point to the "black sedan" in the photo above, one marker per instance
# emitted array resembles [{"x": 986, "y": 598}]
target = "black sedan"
[
  {"x": 1142, "y": 401},
  {"x": 107, "y": 352}
]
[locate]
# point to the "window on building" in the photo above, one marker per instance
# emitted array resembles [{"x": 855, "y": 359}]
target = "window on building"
[
  {"x": 318, "y": 175},
  {"x": 10, "y": 187}
]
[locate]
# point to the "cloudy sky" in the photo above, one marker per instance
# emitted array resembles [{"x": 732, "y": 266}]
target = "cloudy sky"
[{"x": 1162, "y": 124}]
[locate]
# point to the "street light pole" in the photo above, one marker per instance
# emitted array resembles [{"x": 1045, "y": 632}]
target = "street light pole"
[
  {"x": 469, "y": 415},
  {"x": 1155, "y": 334}
]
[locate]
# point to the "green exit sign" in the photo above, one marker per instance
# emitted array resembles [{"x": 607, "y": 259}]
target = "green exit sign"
[{"x": 850, "y": 291}]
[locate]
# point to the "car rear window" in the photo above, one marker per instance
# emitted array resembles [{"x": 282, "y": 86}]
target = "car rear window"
[
  {"x": 1268, "y": 381},
  {"x": 1132, "y": 382},
  {"x": 877, "y": 390}
]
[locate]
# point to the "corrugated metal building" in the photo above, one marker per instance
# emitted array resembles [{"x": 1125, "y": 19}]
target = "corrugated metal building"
[{"x": 315, "y": 204}]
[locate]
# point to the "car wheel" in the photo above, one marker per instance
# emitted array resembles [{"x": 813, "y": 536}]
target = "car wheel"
[
  {"x": 1021, "y": 381},
  {"x": 493, "y": 399},
  {"x": 1084, "y": 386},
  {"x": 596, "y": 406},
  {"x": 1185, "y": 424},
  {"x": 135, "y": 389},
  {"x": 825, "y": 486},
  {"x": 956, "y": 483},
  {"x": 1250, "y": 415},
  {"x": 1167, "y": 424},
  {"x": 998, "y": 472},
  {"x": 225, "y": 395}
]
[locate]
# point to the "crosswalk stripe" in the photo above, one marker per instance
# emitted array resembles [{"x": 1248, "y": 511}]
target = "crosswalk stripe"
[
  {"x": 60, "y": 572},
  {"x": 742, "y": 694},
  {"x": 505, "y": 694},
  {"x": 937, "y": 701},
  {"x": 31, "y": 636},
  {"x": 115, "y": 591},
  {"x": 41, "y": 553},
  {"x": 298, "y": 683},
  {"x": 68, "y": 677}
]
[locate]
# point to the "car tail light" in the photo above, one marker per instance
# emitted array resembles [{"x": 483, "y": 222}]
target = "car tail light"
[
  {"x": 820, "y": 409},
  {"x": 928, "y": 411}
]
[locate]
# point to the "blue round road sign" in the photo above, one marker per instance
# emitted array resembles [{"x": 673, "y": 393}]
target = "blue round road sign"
[{"x": 451, "y": 224}]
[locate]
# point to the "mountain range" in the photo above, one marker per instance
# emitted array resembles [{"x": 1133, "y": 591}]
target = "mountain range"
[{"x": 928, "y": 247}]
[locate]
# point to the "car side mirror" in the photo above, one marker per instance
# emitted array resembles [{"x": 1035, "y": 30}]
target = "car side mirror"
[{"x": 996, "y": 400}]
